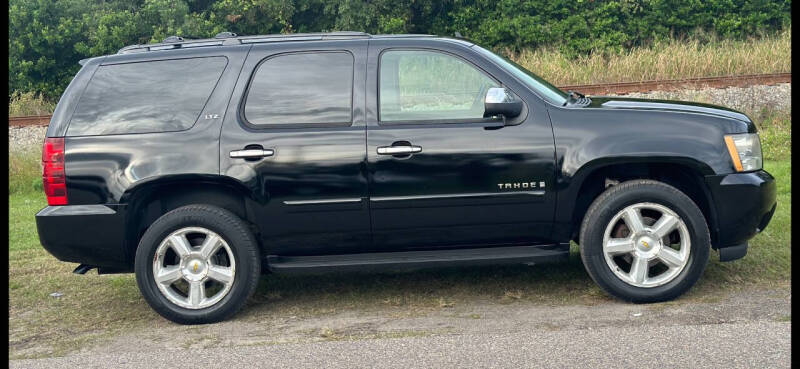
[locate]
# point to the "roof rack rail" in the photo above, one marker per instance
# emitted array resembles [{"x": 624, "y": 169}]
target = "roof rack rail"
[{"x": 229, "y": 38}]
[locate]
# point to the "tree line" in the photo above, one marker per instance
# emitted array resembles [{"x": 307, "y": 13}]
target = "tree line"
[{"x": 47, "y": 38}]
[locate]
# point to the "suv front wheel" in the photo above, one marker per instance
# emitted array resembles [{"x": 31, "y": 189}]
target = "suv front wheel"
[
  {"x": 644, "y": 241},
  {"x": 197, "y": 264}
]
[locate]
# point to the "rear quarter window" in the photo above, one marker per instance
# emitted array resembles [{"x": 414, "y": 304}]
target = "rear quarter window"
[{"x": 143, "y": 97}]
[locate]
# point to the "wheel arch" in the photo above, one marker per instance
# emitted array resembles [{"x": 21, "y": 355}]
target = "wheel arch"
[
  {"x": 685, "y": 174},
  {"x": 149, "y": 200}
]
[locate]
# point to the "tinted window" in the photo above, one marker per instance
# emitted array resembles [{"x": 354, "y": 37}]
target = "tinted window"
[
  {"x": 303, "y": 88},
  {"x": 156, "y": 96},
  {"x": 427, "y": 85}
]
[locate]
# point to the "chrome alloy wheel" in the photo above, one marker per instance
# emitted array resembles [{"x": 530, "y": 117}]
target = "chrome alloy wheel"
[
  {"x": 646, "y": 245},
  {"x": 194, "y": 268}
]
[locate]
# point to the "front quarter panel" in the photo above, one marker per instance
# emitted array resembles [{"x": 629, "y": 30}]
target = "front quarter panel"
[
  {"x": 587, "y": 139},
  {"x": 583, "y": 136}
]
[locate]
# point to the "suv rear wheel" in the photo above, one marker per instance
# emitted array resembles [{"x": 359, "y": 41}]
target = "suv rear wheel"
[
  {"x": 197, "y": 264},
  {"x": 644, "y": 241}
]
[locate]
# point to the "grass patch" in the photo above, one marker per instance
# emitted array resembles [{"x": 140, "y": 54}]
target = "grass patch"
[
  {"x": 775, "y": 132},
  {"x": 672, "y": 59},
  {"x": 25, "y": 170},
  {"x": 29, "y": 103},
  {"x": 89, "y": 309}
]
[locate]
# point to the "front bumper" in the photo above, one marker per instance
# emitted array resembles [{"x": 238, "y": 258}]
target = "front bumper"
[
  {"x": 744, "y": 204},
  {"x": 87, "y": 234}
]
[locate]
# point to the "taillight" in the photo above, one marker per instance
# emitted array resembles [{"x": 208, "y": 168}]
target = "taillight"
[{"x": 55, "y": 184}]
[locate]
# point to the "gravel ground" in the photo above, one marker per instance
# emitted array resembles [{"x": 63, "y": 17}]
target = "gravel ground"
[
  {"x": 747, "y": 99},
  {"x": 750, "y": 98},
  {"x": 754, "y": 345},
  {"x": 748, "y": 329},
  {"x": 22, "y": 138}
]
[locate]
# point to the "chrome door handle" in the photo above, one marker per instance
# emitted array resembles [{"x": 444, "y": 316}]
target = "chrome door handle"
[
  {"x": 398, "y": 150},
  {"x": 252, "y": 153}
]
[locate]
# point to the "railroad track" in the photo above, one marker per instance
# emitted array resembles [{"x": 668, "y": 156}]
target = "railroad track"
[
  {"x": 681, "y": 84},
  {"x": 594, "y": 89}
]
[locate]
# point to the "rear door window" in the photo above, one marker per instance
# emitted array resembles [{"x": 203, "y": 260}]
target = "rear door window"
[
  {"x": 308, "y": 88},
  {"x": 142, "y": 97}
]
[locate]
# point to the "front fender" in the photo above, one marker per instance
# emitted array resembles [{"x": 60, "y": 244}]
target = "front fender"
[
  {"x": 569, "y": 187},
  {"x": 588, "y": 140},
  {"x": 583, "y": 136}
]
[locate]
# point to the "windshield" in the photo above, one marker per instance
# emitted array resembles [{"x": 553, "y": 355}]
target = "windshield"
[{"x": 544, "y": 88}]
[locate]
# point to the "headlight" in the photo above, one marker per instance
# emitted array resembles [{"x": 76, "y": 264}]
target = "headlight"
[{"x": 745, "y": 150}]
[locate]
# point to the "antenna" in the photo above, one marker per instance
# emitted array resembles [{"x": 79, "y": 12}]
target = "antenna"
[
  {"x": 173, "y": 39},
  {"x": 225, "y": 35}
]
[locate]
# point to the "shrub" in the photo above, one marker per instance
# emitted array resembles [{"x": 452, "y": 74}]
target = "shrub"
[{"x": 29, "y": 103}]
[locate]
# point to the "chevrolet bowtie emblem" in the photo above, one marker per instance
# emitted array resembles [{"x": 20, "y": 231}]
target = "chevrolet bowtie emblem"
[
  {"x": 197, "y": 264},
  {"x": 643, "y": 243}
]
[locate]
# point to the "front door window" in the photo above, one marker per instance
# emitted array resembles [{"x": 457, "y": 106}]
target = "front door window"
[{"x": 429, "y": 86}]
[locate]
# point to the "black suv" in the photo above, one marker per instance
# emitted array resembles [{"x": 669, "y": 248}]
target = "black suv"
[{"x": 200, "y": 164}]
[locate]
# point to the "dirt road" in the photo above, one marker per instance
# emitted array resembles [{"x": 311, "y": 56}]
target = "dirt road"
[{"x": 748, "y": 328}]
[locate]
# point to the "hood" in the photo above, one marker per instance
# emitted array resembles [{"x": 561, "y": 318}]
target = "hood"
[{"x": 613, "y": 102}]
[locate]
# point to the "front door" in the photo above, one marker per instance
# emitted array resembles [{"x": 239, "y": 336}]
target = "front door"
[
  {"x": 441, "y": 175},
  {"x": 295, "y": 135}
]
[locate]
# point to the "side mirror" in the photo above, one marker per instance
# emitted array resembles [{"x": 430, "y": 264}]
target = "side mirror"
[{"x": 500, "y": 101}]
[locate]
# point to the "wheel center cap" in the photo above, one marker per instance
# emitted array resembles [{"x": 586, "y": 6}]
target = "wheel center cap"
[
  {"x": 647, "y": 245},
  {"x": 194, "y": 269}
]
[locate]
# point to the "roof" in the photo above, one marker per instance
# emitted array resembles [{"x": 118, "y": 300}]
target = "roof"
[{"x": 227, "y": 38}]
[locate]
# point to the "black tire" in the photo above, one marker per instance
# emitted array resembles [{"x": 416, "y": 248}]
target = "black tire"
[
  {"x": 228, "y": 226},
  {"x": 612, "y": 201}
]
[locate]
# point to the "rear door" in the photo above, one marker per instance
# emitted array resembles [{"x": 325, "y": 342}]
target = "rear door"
[
  {"x": 441, "y": 175},
  {"x": 295, "y": 135}
]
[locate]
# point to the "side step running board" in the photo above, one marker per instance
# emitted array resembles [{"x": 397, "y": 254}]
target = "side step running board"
[
  {"x": 409, "y": 260},
  {"x": 83, "y": 269}
]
